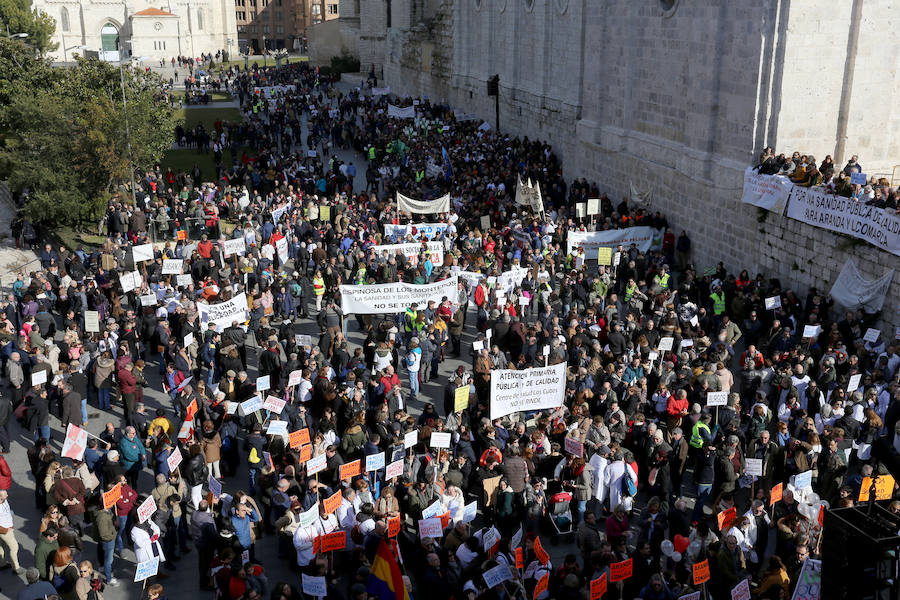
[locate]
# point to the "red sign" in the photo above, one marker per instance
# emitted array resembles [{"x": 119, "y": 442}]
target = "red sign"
[
  {"x": 701, "y": 572},
  {"x": 112, "y": 496},
  {"x": 299, "y": 437},
  {"x": 598, "y": 587},
  {"x": 332, "y": 503},
  {"x": 305, "y": 453},
  {"x": 540, "y": 552},
  {"x": 445, "y": 520},
  {"x": 776, "y": 493},
  {"x": 333, "y": 541},
  {"x": 821, "y": 518},
  {"x": 191, "y": 410},
  {"x": 351, "y": 469},
  {"x": 393, "y": 526},
  {"x": 726, "y": 518},
  {"x": 520, "y": 558},
  {"x": 542, "y": 585},
  {"x": 621, "y": 571}
]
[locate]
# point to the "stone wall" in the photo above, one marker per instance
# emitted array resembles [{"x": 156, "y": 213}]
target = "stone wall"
[{"x": 329, "y": 38}]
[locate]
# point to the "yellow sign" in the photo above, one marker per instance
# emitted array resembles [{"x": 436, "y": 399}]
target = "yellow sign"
[
  {"x": 325, "y": 213},
  {"x": 884, "y": 488},
  {"x": 461, "y": 398},
  {"x": 604, "y": 256}
]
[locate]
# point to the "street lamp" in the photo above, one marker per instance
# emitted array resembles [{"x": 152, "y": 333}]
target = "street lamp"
[{"x": 264, "y": 49}]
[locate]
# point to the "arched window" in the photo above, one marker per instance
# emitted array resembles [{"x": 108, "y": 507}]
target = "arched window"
[
  {"x": 64, "y": 19},
  {"x": 200, "y": 19}
]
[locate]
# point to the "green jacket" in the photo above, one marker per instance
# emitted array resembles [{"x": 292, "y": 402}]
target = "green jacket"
[
  {"x": 43, "y": 554},
  {"x": 104, "y": 526}
]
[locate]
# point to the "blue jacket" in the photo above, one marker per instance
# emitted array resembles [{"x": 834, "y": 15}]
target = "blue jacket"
[{"x": 242, "y": 527}]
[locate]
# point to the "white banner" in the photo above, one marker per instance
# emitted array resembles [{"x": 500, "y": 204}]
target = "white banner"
[
  {"x": 235, "y": 246},
  {"x": 508, "y": 280},
  {"x": 417, "y": 230},
  {"x": 172, "y": 266},
  {"x": 382, "y": 91},
  {"x": 279, "y": 212},
  {"x": 411, "y": 251},
  {"x": 529, "y": 194},
  {"x": 282, "y": 247},
  {"x": 850, "y": 290},
  {"x": 224, "y": 313},
  {"x": 527, "y": 390},
  {"x": 420, "y": 207},
  {"x": 401, "y": 113},
  {"x": 142, "y": 253},
  {"x": 844, "y": 215},
  {"x": 642, "y": 237},
  {"x": 770, "y": 192},
  {"x": 393, "y": 297}
]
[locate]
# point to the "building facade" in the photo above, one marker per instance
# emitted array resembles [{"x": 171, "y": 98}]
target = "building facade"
[{"x": 160, "y": 30}]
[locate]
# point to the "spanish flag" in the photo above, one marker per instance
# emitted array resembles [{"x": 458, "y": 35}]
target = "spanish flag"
[{"x": 385, "y": 579}]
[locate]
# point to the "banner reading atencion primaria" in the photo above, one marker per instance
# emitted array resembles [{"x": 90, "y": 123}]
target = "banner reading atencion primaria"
[
  {"x": 527, "y": 390},
  {"x": 393, "y": 297}
]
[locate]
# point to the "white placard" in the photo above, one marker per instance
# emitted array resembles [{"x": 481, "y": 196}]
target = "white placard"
[
  {"x": 440, "y": 439},
  {"x": 687, "y": 343},
  {"x": 183, "y": 280},
  {"x": 295, "y": 378},
  {"x": 872, "y": 335},
  {"x": 435, "y": 509},
  {"x": 753, "y": 466},
  {"x": 234, "y": 246},
  {"x": 665, "y": 344},
  {"x": 716, "y": 398},
  {"x": 593, "y": 206},
  {"x": 262, "y": 383},
  {"x": 146, "y": 569},
  {"x": 426, "y": 207},
  {"x": 277, "y": 428},
  {"x": 651, "y": 356},
  {"x": 130, "y": 281},
  {"x": 393, "y": 297},
  {"x": 146, "y": 509},
  {"x": 524, "y": 300},
  {"x": 142, "y": 253},
  {"x": 223, "y": 314},
  {"x": 38, "y": 377},
  {"x": 811, "y": 331},
  {"x": 470, "y": 511},
  {"x": 274, "y": 404},
  {"x": 773, "y": 302},
  {"x": 172, "y": 266},
  {"x": 853, "y": 384},
  {"x": 490, "y": 538},
  {"x": 395, "y": 469},
  {"x": 411, "y": 251},
  {"x": 148, "y": 300},
  {"x": 546, "y": 350},
  {"x": 281, "y": 246},
  {"x": 251, "y": 406},
  {"x": 430, "y": 528},
  {"x": 742, "y": 590},
  {"x": 92, "y": 321},
  {"x": 410, "y": 439},
  {"x": 478, "y": 345},
  {"x": 188, "y": 339},
  {"x": 374, "y": 462},
  {"x": 316, "y": 464},
  {"x": 174, "y": 459},
  {"x": 497, "y": 575},
  {"x": 527, "y": 389},
  {"x": 314, "y": 586}
]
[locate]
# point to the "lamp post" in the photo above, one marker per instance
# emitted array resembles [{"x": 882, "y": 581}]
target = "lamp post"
[
  {"x": 127, "y": 134},
  {"x": 265, "y": 64}
]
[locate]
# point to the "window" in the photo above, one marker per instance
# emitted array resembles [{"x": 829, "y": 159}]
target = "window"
[
  {"x": 241, "y": 15},
  {"x": 252, "y": 2},
  {"x": 279, "y": 29},
  {"x": 332, "y": 9},
  {"x": 316, "y": 9},
  {"x": 265, "y": 29},
  {"x": 200, "y": 20},
  {"x": 64, "y": 19}
]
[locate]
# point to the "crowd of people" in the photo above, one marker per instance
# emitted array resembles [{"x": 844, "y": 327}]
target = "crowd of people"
[{"x": 700, "y": 429}]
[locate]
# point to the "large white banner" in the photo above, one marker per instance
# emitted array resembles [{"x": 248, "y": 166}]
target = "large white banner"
[
  {"x": 225, "y": 313},
  {"x": 527, "y": 390},
  {"x": 591, "y": 240},
  {"x": 417, "y": 230},
  {"x": 393, "y": 297},
  {"x": 419, "y": 207},
  {"x": 401, "y": 113},
  {"x": 851, "y": 290},
  {"x": 845, "y": 215},
  {"x": 508, "y": 280},
  {"x": 411, "y": 251},
  {"x": 770, "y": 192}
]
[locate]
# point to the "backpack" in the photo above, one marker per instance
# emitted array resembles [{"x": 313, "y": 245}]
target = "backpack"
[
  {"x": 628, "y": 487},
  {"x": 60, "y": 582}
]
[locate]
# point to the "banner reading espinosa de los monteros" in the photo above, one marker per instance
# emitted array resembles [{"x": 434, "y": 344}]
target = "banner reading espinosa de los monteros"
[
  {"x": 642, "y": 237},
  {"x": 393, "y": 297},
  {"x": 526, "y": 390}
]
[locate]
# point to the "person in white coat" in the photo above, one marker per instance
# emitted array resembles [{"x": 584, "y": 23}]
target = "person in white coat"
[
  {"x": 147, "y": 542},
  {"x": 616, "y": 470},
  {"x": 599, "y": 462}
]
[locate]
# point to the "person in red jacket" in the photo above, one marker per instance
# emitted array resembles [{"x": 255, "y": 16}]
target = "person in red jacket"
[
  {"x": 124, "y": 506},
  {"x": 205, "y": 247},
  {"x": 127, "y": 389},
  {"x": 5, "y": 475}
]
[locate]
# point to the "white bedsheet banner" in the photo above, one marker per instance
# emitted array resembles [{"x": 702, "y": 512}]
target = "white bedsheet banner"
[
  {"x": 591, "y": 240},
  {"x": 851, "y": 290},
  {"x": 225, "y": 313},
  {"x": 770, "y": 192},
  {"x": 411, "y": 251},
  {"x": 419, "y": 207},
  {"x": 401, "y": 113},
  {"x": 844, "y": 215},
  {"x": 393, "y": 297},
  {"x": 527, "y": 390},
  {"x": 429, "y": 230}
]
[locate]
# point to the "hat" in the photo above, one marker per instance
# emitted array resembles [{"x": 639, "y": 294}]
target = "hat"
[
  {"x": 230, "y": 373},
  {"x": 113, "y": 455},
  {"x": 677, "y": 431}
]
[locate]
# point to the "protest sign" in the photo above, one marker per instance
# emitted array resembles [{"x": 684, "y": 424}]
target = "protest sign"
[
  {"x": 591, "y": 241},
  {"x": 665, "y": 344},
  {"x": 716, "y": 398},
  {"x": 92, "y": 321},
  {"x": 420, "y": 207},
  {"x": 394, "y": 524},
  {"x": 461, "y": 398},
  {"x": 112, "y": 496},
  {"x": 470, "y": 511},
  {"x": 314, "y": 586},
  {"x": 430, "y": 528},
  {"x": 351, "y": 469},
  {"x": 497, "y": 575},
  {"x": 299, "y": 437},
  {"x": 248, "y": 407},
  {"x": 172, "y": 266},
  {"x": 215, "y": 487},
  {"x": 871, "y": 335},
  {"x": 331, "y": 503},
  {"x": 776, "y": 493},
  {"x": 527, "y": 389},
  {"x": 309, "y": 516},
  {"x": 277, "y": 428},
  {"x": 274, "y": 404},
  {"x": 38, "y": 377},
  {"x": 621, "y": 571},
  {"x": 146, "y": 569},
  {"x": 574, "y": 446},
  {"x": 853, "y": 384},
  {"x": 75, "y": 443},
  {"x": 316, "y": 464},
  {"x": 742, "y": 590},
  {"x": 395, "y": 469},
  {"x": 333, "y": 541},
  {"x": 183, "y": 280},
  {"x": 753, "y": 466},
  {"x": 374, "y": 462},
  {"x": 701, "y": 571},
  {"x": 884, "y": 488},
  {"x": 295, "y": 378},
  {"x": 539, "y": 551},
  {"x": 174, "y": 459},
  {"x": 773, "y": 303},
  {"x": 410, "y": 438},
  {"x": 770, "y": 192},
  {"x": 393, "y": 297},
  {"x": 417, "y": 230},
  {"x": 146, "y": 509},
  {"x": 263, "y": 383},
  {"x": 223, "y": 314},
  {"x": 598, "y": 587},
  {"x": 810, "y": 331},
  {"x": 234, "y": 246},
  {"x": 803, "y": 480},
  {"x": 440, "y": 439},
  {"x": 725, "y": 518},
  {"x": 809, "y": 582},
  {"x": 142, "y": 253}
]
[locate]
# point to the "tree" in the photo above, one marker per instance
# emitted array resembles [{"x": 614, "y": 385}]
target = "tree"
[{"x": 17, "y": 16}]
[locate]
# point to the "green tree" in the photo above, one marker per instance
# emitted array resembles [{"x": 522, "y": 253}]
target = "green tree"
[{"x": 16, "y": 16}]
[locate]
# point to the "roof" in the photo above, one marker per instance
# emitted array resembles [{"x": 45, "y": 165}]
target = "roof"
[{"x": 153, "y": 12}]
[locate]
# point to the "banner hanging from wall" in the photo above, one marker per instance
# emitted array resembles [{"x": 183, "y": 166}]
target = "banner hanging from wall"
[
  {"x": 851, "y": 290},
  {"x": 770, "y": 192}
]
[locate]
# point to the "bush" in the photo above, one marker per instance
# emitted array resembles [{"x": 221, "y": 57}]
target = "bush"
[{"x": 344, "y": 64}]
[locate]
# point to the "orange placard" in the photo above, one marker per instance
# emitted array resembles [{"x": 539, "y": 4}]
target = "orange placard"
[
  {"x": 393, "y": 526},
  {"x": 542, "y": 585},
  {"x": 112, "y": 496},
  {"x": 726, "y": 518},
  {"x": 333, "y": 541},
  {"x": 316, "y": 545},
  {"x": 821, "y": 518},
  {"x": 621, "y": 571},
  {"x": 598, "y": 587},
  {"x": 351, "y": 469},
  {"x": 181, "y": 235},
  {"x": 540, "y": 552},
  {"x": 445, "y": 520},
  {"x": 884, "y": 488},
  {"x": 299, "y": 437},
  {"x": 305, "y": 453},
  {"x": 776, "y": 493},
  {"x": 701, "y": 572},
  {"x": 191, "y": 410},
  {"x": 332, "y": 503},
  {"x": 520, "y": 558}
]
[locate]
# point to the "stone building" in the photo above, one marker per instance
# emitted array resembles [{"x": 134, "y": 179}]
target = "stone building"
[
  {"x": 677, "y": 97},
  {"x": 141, "y": 28}
]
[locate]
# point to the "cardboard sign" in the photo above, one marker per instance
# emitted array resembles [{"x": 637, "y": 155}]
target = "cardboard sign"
[
  {"x": 741, "y": 591},
  {"x": 430, "y": 528},
  {"x": 754, "y": 467},
  {"x": 461, "y": 398},
  {"x": 333, "y": 541},
  {"x": 598, "y": 587},
  {"x": 332, "y": 503},
  {"x": 92, "y": 321},
  {"x": 726, "y": 518},
  {"x": 393, "y": 526},
  {"x": 539, "y": 552},
  {"x": 665, "y": 344},
  {"x": 773, "y": 303},
  {"x": 440, "y": 439},
  {"x": 146, "y": 569},
  {"x": 776, "y": 493},
  {"x": 542, "y": 585},
  {"x": 411, "y": 438},
  {"x": 884, "y": 488},
  {"x": 621, "y": 571},
  {"x": 374, "y": 462},
  {"x": 351, "y": 469},
  {"x": 316, "y": 464},
  {"x": 853, "y": 384},
  {"x": 274, "y": 404},
  {"x": 299, "y": 437},
  {"x": 497, "y": 575},
  {"x": 38, "y": 377},
  {"x": 574, "y": 447},
  {"x": 314, "y": 586},
  {"x": 810, "y": 331},
  {"x": 215, "y": 487},
  {"x": 146, "y": 509},
  {"x": 716, "y": 398},
  {"x": 701, "y": 572},
  {"x": 112, "y": 496},
  {"x": 395, "y": 469}
]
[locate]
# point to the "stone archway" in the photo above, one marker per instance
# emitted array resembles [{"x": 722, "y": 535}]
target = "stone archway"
[{"x": 110, "y": 46}]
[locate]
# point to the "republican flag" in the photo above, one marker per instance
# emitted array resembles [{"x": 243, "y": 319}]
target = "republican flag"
[{"x": 385, "y": 579}]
